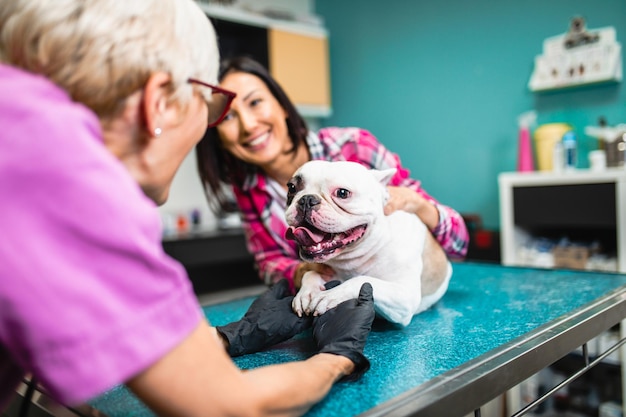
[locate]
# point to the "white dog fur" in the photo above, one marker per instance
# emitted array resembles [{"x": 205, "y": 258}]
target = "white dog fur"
[{"x": 335, "y": 213}]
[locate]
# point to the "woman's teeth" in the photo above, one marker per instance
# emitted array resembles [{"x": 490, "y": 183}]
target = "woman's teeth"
[{"x": 258, "y": 141}]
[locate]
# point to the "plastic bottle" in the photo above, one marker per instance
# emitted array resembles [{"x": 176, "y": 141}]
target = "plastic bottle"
[
  {"x": 569, "y": 149},
  {"x": 196, "y": 219},
  {"x": 557, "y": 157},
  {"x": 524, "y": 147},
  {"x": 602, "y": 123}
]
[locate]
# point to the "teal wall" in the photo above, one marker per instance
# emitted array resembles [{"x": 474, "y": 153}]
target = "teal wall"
[{"x": 441, "y": 83}]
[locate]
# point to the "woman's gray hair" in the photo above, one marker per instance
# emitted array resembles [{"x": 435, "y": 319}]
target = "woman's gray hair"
[{"x": 102, "y": 51}]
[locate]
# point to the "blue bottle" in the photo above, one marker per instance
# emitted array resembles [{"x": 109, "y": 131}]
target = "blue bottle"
[{"x": 569, "y": 150}]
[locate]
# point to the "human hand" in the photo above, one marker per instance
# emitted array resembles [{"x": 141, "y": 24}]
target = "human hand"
[
  {"x": 343, "y": 330},
  {"x": 406, "y": 199},
  {"x": 403, "y": 198},
  {"x": 268, "y": 321}
]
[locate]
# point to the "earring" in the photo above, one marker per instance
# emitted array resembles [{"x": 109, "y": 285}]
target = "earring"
[{"x": 157, "y": 132}]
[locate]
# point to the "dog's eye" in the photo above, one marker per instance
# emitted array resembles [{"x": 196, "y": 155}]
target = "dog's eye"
[
  {"x": 342, "y": 193},
  {"x": 291, "y": 192}
]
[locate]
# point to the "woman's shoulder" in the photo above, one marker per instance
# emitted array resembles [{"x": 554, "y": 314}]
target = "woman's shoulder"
[
  {"x": 345, "y": 133},
  {"x": 342, "y": 137},
  {"x": 356, "y": 144},
  {"x": 34, "y": 107}
]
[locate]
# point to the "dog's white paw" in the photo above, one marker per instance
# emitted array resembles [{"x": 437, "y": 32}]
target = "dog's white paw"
[
  {"x": 329, "y": 299},
  {"x": 301, "y": 303},
  {"x": 312, "y": 285}
]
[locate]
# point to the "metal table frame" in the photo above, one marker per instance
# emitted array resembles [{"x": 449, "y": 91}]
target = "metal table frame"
[{"x": 466, "y": 388}]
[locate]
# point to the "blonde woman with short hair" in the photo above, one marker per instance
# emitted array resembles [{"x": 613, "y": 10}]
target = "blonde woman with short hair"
[{"x": 100, "y": 102}]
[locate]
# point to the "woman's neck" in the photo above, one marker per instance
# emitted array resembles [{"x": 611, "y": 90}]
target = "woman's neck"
[{"x": 283, "y": 168}]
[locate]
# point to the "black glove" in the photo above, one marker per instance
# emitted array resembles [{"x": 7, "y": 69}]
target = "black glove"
[
  {"x": 343, "y": 330},
  {"x": 332, "y": 284},
  {"x": 268, "y": 321}
]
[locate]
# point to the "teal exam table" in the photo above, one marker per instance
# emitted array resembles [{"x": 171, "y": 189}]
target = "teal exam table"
[{"x": 495, "y": 327}]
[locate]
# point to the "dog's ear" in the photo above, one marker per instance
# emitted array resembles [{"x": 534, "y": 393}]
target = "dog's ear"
[{"x": 383, "y": 176}]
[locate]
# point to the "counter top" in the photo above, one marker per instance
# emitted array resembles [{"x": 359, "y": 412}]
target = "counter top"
[{"x": 495, "y": 327}]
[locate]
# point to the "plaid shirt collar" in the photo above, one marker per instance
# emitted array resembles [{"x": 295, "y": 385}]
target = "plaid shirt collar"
[{"x": 316, "y": 149}]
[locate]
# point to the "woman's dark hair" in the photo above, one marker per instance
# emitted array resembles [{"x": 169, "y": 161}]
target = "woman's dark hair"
[{"x": 216, "y": 166}]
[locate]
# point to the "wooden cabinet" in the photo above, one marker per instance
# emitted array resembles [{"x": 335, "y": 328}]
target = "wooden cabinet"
[
  {"x": 215, "y": 260},
  {"x": 296, "y": 54},
  {"x": 299, "y": 62}
]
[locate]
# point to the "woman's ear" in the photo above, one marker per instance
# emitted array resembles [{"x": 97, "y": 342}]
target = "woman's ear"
[{"x": 155, "y": 102}]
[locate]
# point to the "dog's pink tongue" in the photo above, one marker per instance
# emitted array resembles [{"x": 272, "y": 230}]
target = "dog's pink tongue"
[{"x": 303, "y": 236}]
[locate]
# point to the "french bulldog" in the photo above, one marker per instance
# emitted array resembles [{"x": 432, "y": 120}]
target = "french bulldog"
[{"x": 335, "y": 213}]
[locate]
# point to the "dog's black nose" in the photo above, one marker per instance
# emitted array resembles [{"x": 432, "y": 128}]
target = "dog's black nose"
[{"x": 309, "y": 201}]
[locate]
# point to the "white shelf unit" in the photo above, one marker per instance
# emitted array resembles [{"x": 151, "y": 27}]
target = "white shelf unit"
[
  {"x": 568, "y": 201},
  {"x": 600, "y": 192}
]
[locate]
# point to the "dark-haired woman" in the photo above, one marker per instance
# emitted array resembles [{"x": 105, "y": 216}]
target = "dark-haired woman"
[{"x": 259, "y": 145}]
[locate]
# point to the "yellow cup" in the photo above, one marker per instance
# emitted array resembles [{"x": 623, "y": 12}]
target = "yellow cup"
[{"x": 546, "y": 136}]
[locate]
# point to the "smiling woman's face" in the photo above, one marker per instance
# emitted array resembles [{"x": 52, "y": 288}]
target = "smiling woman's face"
[{"x": 255, "y": 129}]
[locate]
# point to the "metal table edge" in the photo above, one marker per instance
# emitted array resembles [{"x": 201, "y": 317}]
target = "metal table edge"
[
  {"x": 218, "y": 297},
  {"x": 471, "y": 385}
]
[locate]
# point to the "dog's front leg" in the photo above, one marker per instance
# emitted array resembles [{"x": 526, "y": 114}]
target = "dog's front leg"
[
  {"x": 312, "y": 284},
  {"x": 324, "y": 301},
  {"x": 397, "y": 302}
]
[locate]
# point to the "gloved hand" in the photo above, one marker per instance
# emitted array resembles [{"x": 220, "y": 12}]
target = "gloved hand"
[
  {"x": 332, "y": 284},
  {"x": 343, "y": 330},
  {"x": 268, "y": 321}
]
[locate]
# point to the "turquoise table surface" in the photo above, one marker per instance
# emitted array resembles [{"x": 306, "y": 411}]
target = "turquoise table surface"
[{"x": 494, "y": 327}]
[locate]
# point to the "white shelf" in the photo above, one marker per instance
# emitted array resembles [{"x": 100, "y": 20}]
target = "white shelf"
[
  {"x": 578, "y": 176},
  {"x": 561, "y": 66},
  {"x": 512, "y": 235},
  {"x": 246, "y": 17}
]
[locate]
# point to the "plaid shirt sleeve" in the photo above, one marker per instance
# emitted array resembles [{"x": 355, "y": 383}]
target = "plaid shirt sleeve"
[{"x": 359, "y": 145}]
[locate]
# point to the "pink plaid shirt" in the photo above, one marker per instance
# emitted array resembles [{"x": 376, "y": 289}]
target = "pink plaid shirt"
[{"x": 263, "y": 217}]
